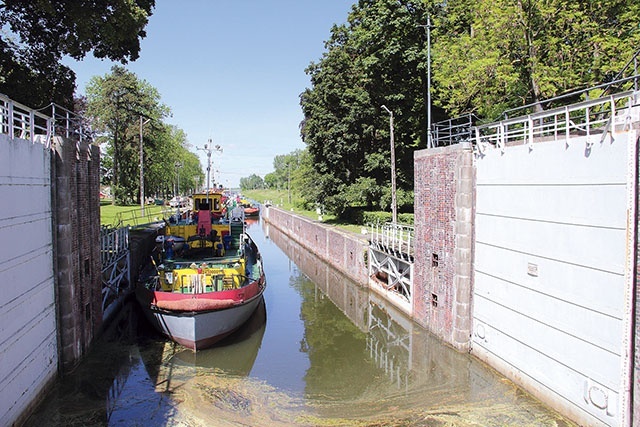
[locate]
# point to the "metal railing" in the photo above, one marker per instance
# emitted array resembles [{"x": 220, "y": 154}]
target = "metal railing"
[
  {"x": 113, "y": 243},
  {"x": 453, "y": 131},
  {"x": 138, "y": 217},
  {"x": 591, "y": 118},
  {"x": 19, "y": 121},
  {"x": 562, "y": 117},
  {"x": 114, "y": 254},
  {"x": 69, "y": 124},
  {"x": 394, "y": 238}
]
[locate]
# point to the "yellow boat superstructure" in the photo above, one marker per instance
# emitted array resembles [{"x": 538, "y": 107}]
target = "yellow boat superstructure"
[{"x": 202, "y": 277}]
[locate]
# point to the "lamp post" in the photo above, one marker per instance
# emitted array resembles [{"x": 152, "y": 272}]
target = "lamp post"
[
  {"x": 142, "y": 123},
  {"x": 428, "y": 30},
  {"x": 178, "y": 165},
  {"x": 394, "y": 209}
]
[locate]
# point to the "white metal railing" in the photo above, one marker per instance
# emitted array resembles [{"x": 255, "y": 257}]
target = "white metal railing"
[
  {"x": 20, "y": 121},
  {"x": 112, "y": 244},
  {"x": 115, "y": 274},
  {"x": 593, "y": 119},
  {"x": 69, "y": 124},
  {"x": 397, "y": 238}
]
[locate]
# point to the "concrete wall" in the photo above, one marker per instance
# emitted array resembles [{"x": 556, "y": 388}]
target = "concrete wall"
[
  {"x": 635, "y": 389},
  {"x": 344, "y": 251},
  {"x": 77, "y": 215},
  {"x": 50, "y": 286},
  {"x": 28, "y": 341},
  {"x": 553, "y": 271},
  {"x": 443, "y": 207}
]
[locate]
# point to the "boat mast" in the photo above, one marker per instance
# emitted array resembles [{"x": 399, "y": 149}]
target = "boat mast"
[{"x": 208, "y": 148}]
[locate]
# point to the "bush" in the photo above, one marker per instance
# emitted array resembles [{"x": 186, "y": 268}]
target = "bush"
[{"x": 382, "y": 217}]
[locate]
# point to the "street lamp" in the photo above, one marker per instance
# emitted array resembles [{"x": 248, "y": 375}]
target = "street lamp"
[
  {"x": 428, "y": 30},
  {"x": 178, "y": 165},
  {"x": 142, "y": 123},
  {"x": 394, "y": 209}
]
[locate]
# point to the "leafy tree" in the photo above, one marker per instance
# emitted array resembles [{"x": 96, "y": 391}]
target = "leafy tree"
[
  {"x": 117, "y": 103},
  {"x": 252, "y": 182},
  {"x": 45, "y": 31},
  {"x": 169, "y": 164},
  {"x": 498, "y": 54},
  {"x": 376, "y": 58}
]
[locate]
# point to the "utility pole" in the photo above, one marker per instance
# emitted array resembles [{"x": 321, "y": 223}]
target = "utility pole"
[{"x": 142, "y": 123}]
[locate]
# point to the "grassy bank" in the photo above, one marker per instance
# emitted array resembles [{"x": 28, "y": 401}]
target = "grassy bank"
[
  {"x": 109, "y": 214},
  {"x": 280, "y": 198}
]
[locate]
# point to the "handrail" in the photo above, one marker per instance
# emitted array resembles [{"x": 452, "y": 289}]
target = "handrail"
[
  {"x": 136, "y": 217},
  {"x": 454, "y": 130},
  {"x": 19, "y": 121},
  {"x": 587, "y": 118},
  {"x": 572, "y": 94},
  {"x": 398, "y": 238}
]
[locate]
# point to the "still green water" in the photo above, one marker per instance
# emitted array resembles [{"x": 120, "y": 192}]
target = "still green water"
[{"x": 321, "y": 351}]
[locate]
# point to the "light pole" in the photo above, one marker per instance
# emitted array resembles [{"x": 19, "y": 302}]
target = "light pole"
[
  {"x": 428, "y": 30},
  {"x": 394, "y": 209},
  {"x": 142, "y": 123},
  {"x": 178, "y": 165}
]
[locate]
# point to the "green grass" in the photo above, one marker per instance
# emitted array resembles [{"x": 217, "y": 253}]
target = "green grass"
[{"x": 130, "y": 215}]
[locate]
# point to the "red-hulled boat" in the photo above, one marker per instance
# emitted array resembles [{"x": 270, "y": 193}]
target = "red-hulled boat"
[{"x": 206, "y": 278}]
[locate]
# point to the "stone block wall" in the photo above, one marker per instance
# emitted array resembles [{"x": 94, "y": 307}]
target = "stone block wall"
[
  {"x": 76, "y": 198},
  {"x": 444, "y": 185}
]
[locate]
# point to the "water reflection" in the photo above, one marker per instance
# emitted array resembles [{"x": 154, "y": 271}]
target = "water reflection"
[
  {"x": 375, "y": 360},
  {"x": 321, "y": 351},
  {"x": 236, "y": 355}
]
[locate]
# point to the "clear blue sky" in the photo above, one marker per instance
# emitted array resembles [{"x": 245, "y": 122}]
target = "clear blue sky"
[{"x": 232, "y": 71}]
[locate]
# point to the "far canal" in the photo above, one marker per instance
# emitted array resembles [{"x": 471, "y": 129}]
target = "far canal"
[{"x": 323, "y": 353}]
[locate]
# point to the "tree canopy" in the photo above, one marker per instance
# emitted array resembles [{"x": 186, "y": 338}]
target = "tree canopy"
[
  {"x": 493, "y": 55},
  {"x": 487, "y": 56},
  {"x": 41, "y": 33},
  {"x": 375, "y": 59},
  {"x": 118, "y": 105}
]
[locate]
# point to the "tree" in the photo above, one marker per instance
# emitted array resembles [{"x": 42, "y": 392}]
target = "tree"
[
  {"x": 376, "y": 58},
  {"x": 45, "y": 31},
  {"x": 499, "y": 54},
  {"x": 169, "y": 163},
  {"x": 116, "y": 103},
  {"x": 252, "y": 182}
]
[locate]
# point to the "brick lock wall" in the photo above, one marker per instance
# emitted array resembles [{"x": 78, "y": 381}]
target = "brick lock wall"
[
  {"x": 343, "y": 251},
  {"x": 77, "y": 250},
  {"x": 352, "y": 300},
  {"x": 444, "y": 181}
]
